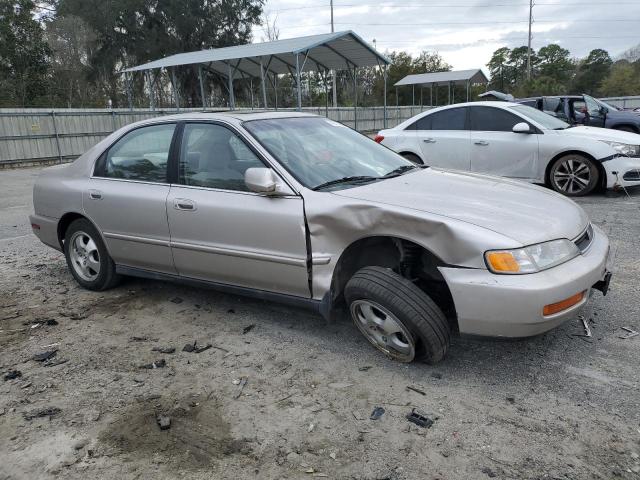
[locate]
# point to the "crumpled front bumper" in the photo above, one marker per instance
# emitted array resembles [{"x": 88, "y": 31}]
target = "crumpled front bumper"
[
  {"x": 511, "y": 305},
  {"x": 622, "y": 172}
]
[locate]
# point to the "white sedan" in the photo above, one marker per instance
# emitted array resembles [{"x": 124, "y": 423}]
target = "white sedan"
[{"x": 518, "y": 141}]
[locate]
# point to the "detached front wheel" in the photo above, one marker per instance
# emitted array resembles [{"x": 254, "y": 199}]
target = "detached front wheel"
[
  {"x": 574, "y": 175},
  {"x": 396, "y": 317}
]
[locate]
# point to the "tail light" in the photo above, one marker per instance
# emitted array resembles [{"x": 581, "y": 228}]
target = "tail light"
[{"x": 378, "y": 139}]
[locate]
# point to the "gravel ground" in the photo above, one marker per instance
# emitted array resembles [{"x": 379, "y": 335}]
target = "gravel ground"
[{"x": 558, "y": 406}]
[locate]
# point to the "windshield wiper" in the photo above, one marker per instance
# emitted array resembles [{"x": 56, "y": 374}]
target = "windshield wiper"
[
  {"x": 338, "y": 181},
  {"x": 396, "y": 172}
]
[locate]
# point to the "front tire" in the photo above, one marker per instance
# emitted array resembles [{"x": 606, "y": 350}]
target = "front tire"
[
  {"x": 87, "y": 257},
  {"x": 396, "y": 317},
  {"x": 574, "y": 175},
  {"x": 413, "y": 158}
]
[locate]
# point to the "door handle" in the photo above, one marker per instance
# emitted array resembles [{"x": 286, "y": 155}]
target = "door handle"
[
  {"x": 481, "y": 143},
  {"x": 95, "y": 194},
  {"x": 429, "y": 140},
  {"x": 184, "y": 204}
]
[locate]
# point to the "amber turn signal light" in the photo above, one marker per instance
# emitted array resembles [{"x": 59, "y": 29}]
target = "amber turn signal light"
[
  {"x": 503, "y": 262},
  {"x": 563, "y": 305}
]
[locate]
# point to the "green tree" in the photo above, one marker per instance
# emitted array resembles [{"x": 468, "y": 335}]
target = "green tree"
[
  {"x": 592, "y": 71},
  {"x": 500, "y": 70},
  {"x": 555, "y": 62},
  {"x": 623, "y": 79},
  {"x": 24, "y": 55}
]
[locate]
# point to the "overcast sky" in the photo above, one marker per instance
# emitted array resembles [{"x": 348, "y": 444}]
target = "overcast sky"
[{"x": 466, "y": 32}]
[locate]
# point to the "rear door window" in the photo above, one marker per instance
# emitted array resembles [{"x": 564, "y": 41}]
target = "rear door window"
[
  {"x": 449, "y": 119},
  {"x": 141, "y": 155},
  {"x": 489, "y": 119}
]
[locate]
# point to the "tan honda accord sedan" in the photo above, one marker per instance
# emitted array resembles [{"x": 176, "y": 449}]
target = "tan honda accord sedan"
[{"x": 301, "y": 209}]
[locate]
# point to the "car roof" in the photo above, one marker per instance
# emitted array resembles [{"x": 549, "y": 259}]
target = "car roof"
[
  {"x": 549, "y": 96},
  {"x": 235, "y": 116}
]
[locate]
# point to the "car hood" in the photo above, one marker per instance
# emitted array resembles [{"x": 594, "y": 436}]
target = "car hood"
[
  {"x": 525, "y": 213},
  {"x": 605, "y": 134}
]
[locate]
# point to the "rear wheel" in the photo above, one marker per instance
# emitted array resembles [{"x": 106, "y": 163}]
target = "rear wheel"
[
  {"x": 413, "y": 158},
  {"x": 396, "y": 317},
  {"x": 87, "y": 257},
  {"x": 574, "y": 175}
]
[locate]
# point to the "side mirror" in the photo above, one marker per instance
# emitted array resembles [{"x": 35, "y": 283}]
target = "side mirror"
[
  {"x": 260, "y": 180},
  {"x": 522, "y": 127}
]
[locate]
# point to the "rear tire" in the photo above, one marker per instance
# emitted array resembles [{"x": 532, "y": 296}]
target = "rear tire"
[
  {"x": 87, "y": 257},
  {"x": 574, "y": 175},
  {"x": 413, "y": 158},
  {"x": 626, "y": 129},
  {"x": 396, "y": 317}
]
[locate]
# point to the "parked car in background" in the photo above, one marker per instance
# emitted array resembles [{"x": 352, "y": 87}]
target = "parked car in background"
[
  {"x": 301, "y": 209},
  {"x": 578, "y": 110},
  {"x": 517, "y": 141}
]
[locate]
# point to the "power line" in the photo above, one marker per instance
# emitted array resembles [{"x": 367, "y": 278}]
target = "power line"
[{"x": 425, "y": 5}]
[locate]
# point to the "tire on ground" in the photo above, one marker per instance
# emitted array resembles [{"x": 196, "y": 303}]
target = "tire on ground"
[
  {"x": 413, "y": 158},
  {"x": 411, "y": 306},
  {"x": 558, "y": 165},
  {"x": 107, "y": 277}
]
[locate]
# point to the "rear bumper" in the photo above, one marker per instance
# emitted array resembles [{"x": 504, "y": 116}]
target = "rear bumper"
[
  {"x": 46, "y": 229},
  {"x": 622, "y": 172},
  {"x": 511, "y": 305}
]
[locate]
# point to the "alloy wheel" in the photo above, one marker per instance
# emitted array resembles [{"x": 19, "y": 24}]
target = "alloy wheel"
[
  {"x": 383, "y": 330},
  {"x": 572, "y": 176},
  {"x": 85, "y": 257}
]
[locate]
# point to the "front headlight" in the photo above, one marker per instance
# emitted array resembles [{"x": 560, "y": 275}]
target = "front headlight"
[
  {"x": 534, "y": 258},
  {"x": 625, "y": 148}
]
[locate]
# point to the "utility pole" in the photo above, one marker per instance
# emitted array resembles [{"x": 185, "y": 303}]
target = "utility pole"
[
  {"x": 529, "y": 44},
  {"x": 333, "y": 72}
]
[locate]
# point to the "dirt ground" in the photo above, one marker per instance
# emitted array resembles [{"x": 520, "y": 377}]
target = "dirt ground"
[{"x": 558, "y": 406}]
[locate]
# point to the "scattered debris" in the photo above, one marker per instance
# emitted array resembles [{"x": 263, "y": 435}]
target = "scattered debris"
[
  {"x": 333, "y": 455},
  {"x": 489, "y": 473},
  {"x": 414, "y": 389},
  {"x": 26, "y": 385},
  {"x": 632, "y": 333},
  {"x": 587, "y": 329},
  {"x": 511, "y": 400},
  {"x": 157, "y": 364},
  {"x": 419, "y": 418},
  {"x": 248, "y": 328},
  {"x": 11, "y": 374},
  {"x": 231, "y": 310},
  {"x": 312, "y": 426},
  {"x": 42, "y": 412},
  {"x": 365, "y": 368},
  {"x": 166, "y": 350},
  {"x": 176, "y": 300},
  {"x": 139, "y": 339},
  {"x": 377, "y": 413},
  {"x": 242, "y": 381},
  {"x": 436, "y": 375},
  {"x": 202, "y": 349},
  {"x": 193, "y": 347},
  {"x": 55, "y": 363},
  {"x": 189, "y": 347},
  {"x": 41, "y": 357},
  {"x": 164, "y": 422},
  {"x": 51, "y": 322}
]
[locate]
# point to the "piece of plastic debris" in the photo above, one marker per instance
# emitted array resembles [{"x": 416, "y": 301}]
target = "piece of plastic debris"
[
  {"x": 202, "y": 349},
  {"x": 189, "y": 347},
  {"x": 365, "y": 368},
  {"x": 157, "y": 364},
  {"x": 176, "y": 300},
  {"x": 166, "y": 350},
  {"x": 41, "y": 357},
  {"x": 312, "y": 426},
  {"x": 11, "y": 374},
  {"x": 587, "y": 329},
  {"x": 138, "y": 339},
  {"x": 632, "y": 333},
  {"x": 511, "y": 400},
  {"x": 333, "y": 455},
  {"x": 377, "y": 413},
  {"x": 419, "y": 418},
  {"x": 42, "y": 412},
  {"x": 241, "y": 383},
  {"x": 164, "y": 422},
  {"x": 489, "y": 473},
  {"x": 248, "y": 328},
  {"x": 414, "y": 389},
  {"x": 55, "y": 363}
]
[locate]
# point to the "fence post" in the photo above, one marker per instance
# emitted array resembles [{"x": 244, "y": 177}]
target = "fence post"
[
  {"x": 113, "y": 121},
  {"x": 55, "y": 131}
]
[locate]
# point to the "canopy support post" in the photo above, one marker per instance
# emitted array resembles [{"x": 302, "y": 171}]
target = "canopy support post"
[
  {"x": 175, "y": 88},
  {"x": 129, "y": 93},
  {"x": 413, "y": 95},
  {"x": 385, "y": 96},
  {"x": 468, "y": 85},
  {"x": 202, "y": 97},
  {"x": 298, "y": 82},
  {"x": 232, "y": 100},
  {"x": 449, "y": 93},
  {"x": 326, "y": 95},
  {"x": 251, "y": 88},
  {"x": 275, "y": 88},
  {"x": 355, "y": 98},
  {"x": 431, "y": 95},
  {"x": 264, "y": 89},
  {"x": 150, "y": 82}
]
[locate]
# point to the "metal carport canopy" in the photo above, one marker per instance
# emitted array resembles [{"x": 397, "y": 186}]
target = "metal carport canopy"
[
  {"x": 338, "y": 51},
  {"x": 460, "y": 77}
]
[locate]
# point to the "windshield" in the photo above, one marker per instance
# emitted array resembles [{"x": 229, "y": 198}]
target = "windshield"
[
  {"x": 541, "y": 118},
  {"x": 318, "y": 151}
]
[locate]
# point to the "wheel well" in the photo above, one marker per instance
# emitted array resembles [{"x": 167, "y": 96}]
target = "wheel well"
[
  {"x": 406, "y": 258},
  {"x": 64, "y": 223},
  {"x": 412, "y": 154},
  {"x": 601, "y": 171}
]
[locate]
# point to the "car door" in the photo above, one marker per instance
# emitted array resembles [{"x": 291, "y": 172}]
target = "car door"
[
  {"x": 443, "y": 138},
  {"x": 220, "y": 231},
  {"x": 126, "y": 198},
  {"x": 595, "y": 112},
  {"x": 496, "y": 149}
]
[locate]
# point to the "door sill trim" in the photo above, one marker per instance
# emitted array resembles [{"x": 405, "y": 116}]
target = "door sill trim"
[{"x": 292, "y": 300}]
